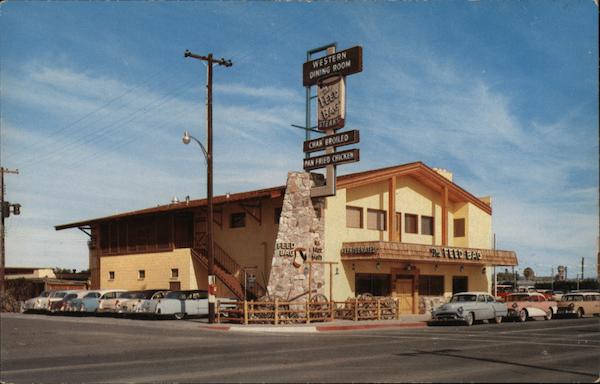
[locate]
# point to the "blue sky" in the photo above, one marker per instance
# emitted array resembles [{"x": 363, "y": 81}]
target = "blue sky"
[{"x": 95, "y": 97}]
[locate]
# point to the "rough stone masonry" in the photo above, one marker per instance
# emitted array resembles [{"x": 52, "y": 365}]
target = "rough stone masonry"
[{"x": 300, "y": 239}]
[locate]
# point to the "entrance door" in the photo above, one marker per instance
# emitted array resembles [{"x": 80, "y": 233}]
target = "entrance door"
[
  {"x": 460, "y": 284},
  {"x": 404, "y": 293},
  {"x": 174, "y": 286}
]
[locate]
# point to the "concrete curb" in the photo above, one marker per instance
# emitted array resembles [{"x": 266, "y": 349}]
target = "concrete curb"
[{"x": 311, "y": 329}]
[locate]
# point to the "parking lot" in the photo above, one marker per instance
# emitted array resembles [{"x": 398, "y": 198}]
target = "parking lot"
[{"x": 39, "y": 348}]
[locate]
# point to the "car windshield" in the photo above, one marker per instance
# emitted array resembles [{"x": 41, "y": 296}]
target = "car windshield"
[
  {"x": 463, "y": 298},
  {"x": 91, "y": 295},
  {"x": 129, "y": 295},
  {"x": 70, "y": 296},
  {"x": 572, "y": 298},
  {"x": 517, "y": 298},
  {"x": 45, "y": 294},
  {"x": 60, "y": 294}
]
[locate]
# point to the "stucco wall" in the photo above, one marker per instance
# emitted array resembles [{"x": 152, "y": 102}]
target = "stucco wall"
[
  {"x": 414, "y": 198},
  {"x": 156, "y": 265},
  {"x": 252, "y": 245}
]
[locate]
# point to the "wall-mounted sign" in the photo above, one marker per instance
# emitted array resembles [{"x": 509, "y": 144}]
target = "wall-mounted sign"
[
  {"x": 339, "y": 139},
  {"x": 358, "y": 250},
  {"x": 341, "y": 63},
  {"x": 331, "y": 103},
  {"x": 453, "y": 253},
  {"x": 342, "y": 157}
]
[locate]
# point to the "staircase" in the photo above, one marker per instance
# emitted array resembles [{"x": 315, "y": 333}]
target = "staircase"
[{"x": 229, "y": 272}]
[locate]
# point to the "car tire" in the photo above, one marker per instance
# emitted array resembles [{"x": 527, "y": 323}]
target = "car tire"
[
  {"x": 579, "y": 313},
  {"x": 179, "y": 316},
  {"x": 469, "y": 319},
  {"x": 548, "y": 314},
  {"x": 497, "y": 319},
  {"x": 522, "y": 315}
]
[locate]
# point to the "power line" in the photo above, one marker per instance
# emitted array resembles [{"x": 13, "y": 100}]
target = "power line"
[{"x": 35, "y": 145}]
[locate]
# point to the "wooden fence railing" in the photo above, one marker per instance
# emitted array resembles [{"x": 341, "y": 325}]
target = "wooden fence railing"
[{"x": 283, "y": 312}]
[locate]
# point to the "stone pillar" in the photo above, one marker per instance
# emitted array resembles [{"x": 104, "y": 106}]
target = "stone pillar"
[{"x": 300, "y": 239}]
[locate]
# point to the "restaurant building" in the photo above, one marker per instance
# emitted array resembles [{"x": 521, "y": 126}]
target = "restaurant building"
[{"x": 406, "y": 231}]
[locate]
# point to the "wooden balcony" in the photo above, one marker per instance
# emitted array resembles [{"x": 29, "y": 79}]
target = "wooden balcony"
[{"x": 419, "y": 253}]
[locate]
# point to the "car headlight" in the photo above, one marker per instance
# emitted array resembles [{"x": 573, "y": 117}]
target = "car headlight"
[
  {"x": 572, "y": 305},
  {"x": 515, "y": 305},
  {"x": 460, "y": 310}
]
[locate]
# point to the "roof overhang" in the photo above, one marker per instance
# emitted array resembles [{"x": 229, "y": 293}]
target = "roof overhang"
[
  {"x": 421, "y": 172},
  {"x": 269, "y": 193}
]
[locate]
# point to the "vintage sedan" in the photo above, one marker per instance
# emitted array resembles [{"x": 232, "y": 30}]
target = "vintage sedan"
[
  {"x": 181, "y": 304},
  {"x": 522, "y": 306},
  {"x": 91, "y": 301},
  {"x": 61, "y": 305},
  {"x": 134, "y": 301},
  {"x": 469, "y": 307},
  {"x": 110, "y": 301},
  {"x": 35, "y": 304},
  {"x": 579, "y": 304}
]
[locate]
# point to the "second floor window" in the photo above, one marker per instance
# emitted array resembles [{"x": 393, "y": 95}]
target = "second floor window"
[
  {"x": 427, "y": 225},
  {"x": 459, "y": 227},
  {"x": 410, "y": 223},
  {"x": 174, "y": 272},
  {"x": 111, "y": 275},
  {"x": 376, "y": 219},
  {"x": 141, "y": 274},
  {"x": 237, "y": 220},
  {"x": 354, "y": 217}
]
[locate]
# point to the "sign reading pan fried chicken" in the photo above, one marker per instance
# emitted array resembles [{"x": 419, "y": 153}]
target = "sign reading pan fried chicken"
[{"x": 336, "y": 158}]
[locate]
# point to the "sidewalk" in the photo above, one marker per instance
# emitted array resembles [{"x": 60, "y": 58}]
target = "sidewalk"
[{"x": 407, "y": 321}]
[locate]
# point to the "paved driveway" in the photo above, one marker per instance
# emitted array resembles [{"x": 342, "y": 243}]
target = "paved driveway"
[{"x": 38, "y": 348}]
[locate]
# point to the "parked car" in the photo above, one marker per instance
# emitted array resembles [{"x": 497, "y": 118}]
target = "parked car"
[
  {"x": 579, "y": 304},
  {"x": 61, "y": 305},
  {"x": 110, "y": 300},
  {"x": 55, "y": 296},
  {"x": 132, "y": 303},
  {"x": 522, "y": 306},
  {"x": 181, "y": 304},
  {"x": 35, "y": 303},
  {"x": 91, "y": 301},
  {"x": 468, "y": 307}
]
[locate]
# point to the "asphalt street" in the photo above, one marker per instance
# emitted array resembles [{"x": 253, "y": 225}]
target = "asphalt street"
[{"x": 39, "y": 348}]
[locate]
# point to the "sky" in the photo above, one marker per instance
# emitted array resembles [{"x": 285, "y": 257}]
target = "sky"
[{"x": 95, "y": 96}]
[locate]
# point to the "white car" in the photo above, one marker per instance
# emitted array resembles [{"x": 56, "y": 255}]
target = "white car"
[
  {"x": 132, "y": 302},
  {"x": 181, "y": 304},
  {"x": 35, "y": 303},
  {"x": 110, "y": 301}
]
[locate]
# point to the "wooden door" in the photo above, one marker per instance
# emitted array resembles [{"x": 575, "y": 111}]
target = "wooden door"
[
  {"x": 174, "y": 286},
  {"x": 404, "y": 292},
  {"x": 399, "y": 227}
]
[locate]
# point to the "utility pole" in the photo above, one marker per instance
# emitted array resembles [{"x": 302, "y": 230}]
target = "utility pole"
[
  {"x": 5, "y": 213},
  {"x": 209, "y": 176},
  {"x": 582, "y": 261}
]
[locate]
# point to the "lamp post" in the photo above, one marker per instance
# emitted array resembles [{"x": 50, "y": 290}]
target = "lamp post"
[{"x": 209, "y": 182}]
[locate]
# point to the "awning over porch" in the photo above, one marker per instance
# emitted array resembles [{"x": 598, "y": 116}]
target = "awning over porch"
[{"x": 403, "y": 252}]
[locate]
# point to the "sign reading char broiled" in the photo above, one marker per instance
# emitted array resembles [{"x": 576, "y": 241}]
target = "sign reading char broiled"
[
  {"x": 343, "y": 157},
  {"x": 331, "y": 103},
  {"x": 341, "y": 63},
  {"x": 339, "y": 139}
]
